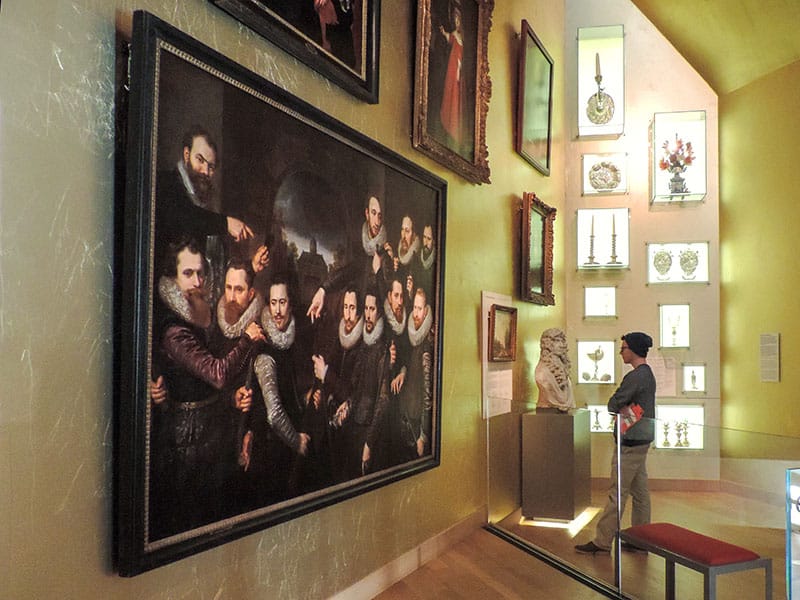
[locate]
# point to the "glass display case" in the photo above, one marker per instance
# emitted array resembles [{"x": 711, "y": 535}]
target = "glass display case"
[
  {"x": 603, "y": 238},
  {"x": 596, "y": 361},
  {"x": 793, "y": 533},
  {"x": 599, "y": 302},
  {"x": 601, "y": 81},
  {"x": 680, "y": 426},
  {"x": 678, "y": 157},
  {"x": 678, "y": 262},
  {"x": 674, "y": 325},
  {"x": 605, "y": 174},
  {"x": 694, "y": 379}
]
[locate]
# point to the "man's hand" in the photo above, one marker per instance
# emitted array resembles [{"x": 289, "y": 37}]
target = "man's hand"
[
  {"x": 238, "y": 230},
  {"x": 317, "y": 302},
  {"x": 340, "y": 416},
  {"x": 243, "y": 399},
  {"x": 158, "y": 391},
  {"x": 254, "y": 332},
  {"x": 410, "y": 286},
  {"x": 244, "y": 454},
  {"x": 260, "y": 259},
  {"x": 320, "y": 367},
  {"x": 304, "y": 441},
  {"x": 365, "y": 456},
  {"x": 316, "y": 398},
  {"x": 397, "y": 382},
  {"x": 420, "y": 446},
  {"x": 392, "y": 353}
]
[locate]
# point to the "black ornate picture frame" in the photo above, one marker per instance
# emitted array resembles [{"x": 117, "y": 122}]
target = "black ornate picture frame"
[
  {"x": 537, "y": 250},
  {"x": 339, "y": 39},
  {"x": 534, "y": 101},
  {"x": 452, "y": 86},
  {"x": 233, "y": 415}
]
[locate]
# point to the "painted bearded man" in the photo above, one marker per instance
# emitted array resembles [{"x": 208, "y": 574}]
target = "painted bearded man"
[
  {"x": 363, "y": 271},
  {"x": 192, "y": 455},
  {"x": 416, "y": 399},
  {"x": 552, "y": 372}
]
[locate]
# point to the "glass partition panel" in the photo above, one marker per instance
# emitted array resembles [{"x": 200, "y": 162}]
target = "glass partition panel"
[{"x": 732, "y": 486}]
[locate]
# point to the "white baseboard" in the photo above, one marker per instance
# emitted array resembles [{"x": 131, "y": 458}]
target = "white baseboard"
[{"x": 389, "y": 574}]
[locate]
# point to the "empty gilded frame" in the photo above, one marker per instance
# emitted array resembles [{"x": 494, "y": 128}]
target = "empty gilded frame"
[
  {"x": 679, "y": 262},
  {"x": 596, "y": 361},
  {"x": 674, "y": 325},
  {"x": 694, "y": 379},
  {"x": 600, "y": 301},
  {"x": 605, "y": 174},
  {"x": 603, "y": 237},
  {"x": 601, "y": 81},
  {"x": 678, "y": 148}
]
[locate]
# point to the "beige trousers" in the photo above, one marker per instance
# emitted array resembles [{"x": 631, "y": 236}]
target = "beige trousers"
[{"x": 634, "y": 483}]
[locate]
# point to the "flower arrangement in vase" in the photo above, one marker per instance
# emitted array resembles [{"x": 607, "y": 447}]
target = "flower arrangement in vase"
[{"x": 676, "y": 158}]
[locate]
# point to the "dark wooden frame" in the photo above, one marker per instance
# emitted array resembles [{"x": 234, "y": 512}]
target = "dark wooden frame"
[
  {"x": 470, "y": 158},
  {"x": 254, "y": 123},
  {"x": 362, "y": 82},
  {"x": 536, "y": 263},
  {"x": 534, "y": 101},
  {"x": 504, "y": 350}
]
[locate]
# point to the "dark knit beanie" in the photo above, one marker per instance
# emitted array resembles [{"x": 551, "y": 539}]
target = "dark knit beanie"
[{"x": 638, "y": 342}]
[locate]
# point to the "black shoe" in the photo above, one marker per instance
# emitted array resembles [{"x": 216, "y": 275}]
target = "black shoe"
[
  {"x": 628, "y": 547},
  {"x": 590, "y": 548}
]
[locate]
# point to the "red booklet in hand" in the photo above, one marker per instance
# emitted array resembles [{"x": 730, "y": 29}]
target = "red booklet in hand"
[{"x": 629, "y": 416}]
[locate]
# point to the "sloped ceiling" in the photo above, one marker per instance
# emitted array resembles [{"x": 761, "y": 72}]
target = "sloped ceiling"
[{"x": 729, "y": 42}]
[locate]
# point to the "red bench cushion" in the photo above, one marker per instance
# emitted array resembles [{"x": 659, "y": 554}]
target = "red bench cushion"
[{"x": 695, "y": 546}]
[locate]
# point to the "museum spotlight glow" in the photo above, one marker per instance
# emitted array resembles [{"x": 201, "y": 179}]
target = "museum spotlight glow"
[{"x": 574, "y": 527}]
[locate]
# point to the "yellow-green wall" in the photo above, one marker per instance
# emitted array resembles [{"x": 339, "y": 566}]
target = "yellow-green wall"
[
  {"x": 760, "y": 262},
  {"x": 57, "y": 61}
]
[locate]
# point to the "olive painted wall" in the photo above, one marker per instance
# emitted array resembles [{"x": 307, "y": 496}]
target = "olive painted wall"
[
  {"x": 759, "y": 213},
  {"x": 57, "y": 62}
]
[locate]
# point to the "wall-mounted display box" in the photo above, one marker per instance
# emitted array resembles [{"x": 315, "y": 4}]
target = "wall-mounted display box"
[
  {"x": 600, "y": 420},
  {"x": 678, "y": 148},
  {"x": 603, "y": 235},
  {"x": 694, "y": 379},
  {"x": 605, "y": 173},
  {"x": 674, "y": 325},
  {"x": 601, "y": 81},
  {"x": 596, "y": 361},
  {"x": 680, "y": 426},
  {"x": 600, "y": 301},
  {"x": 679, "y": 262}
]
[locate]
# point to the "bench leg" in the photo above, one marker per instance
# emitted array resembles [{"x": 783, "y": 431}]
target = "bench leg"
[
  {"x": 669, "y": 593},
  {"x": 768, "y": 583},
  {"x": 710, "y": 586}
]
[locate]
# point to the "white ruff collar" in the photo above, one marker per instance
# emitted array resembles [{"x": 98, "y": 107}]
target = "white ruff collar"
[
  {"x": 369, "y": 244},
  {"x": 415, "y": 336},
  {"x": 377, "y": 332},
  {"x": 397, "y": 326},
  {"x": 348, "y": 340},
  {"x": 173, "y": 297},
  {"x": 250, "y": 314},
  {"x": 281, "y": 340},
  {"x": 427, "y": 263},
  {"x": 406, "y": 257}
]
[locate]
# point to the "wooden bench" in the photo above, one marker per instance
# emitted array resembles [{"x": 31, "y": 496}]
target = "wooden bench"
[{"x": 704, "y": 554}]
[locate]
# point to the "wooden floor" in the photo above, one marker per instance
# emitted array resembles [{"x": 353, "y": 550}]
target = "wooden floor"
[{"x": 483, "y": 567}]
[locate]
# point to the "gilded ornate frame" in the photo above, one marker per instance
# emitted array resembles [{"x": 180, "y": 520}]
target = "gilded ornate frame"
[
  {"x": 468, "y": 155},
  {"x": 537, "y": 250}
]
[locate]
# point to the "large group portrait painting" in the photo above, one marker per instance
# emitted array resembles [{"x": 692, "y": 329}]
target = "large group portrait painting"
[{"x": 290, "y": 280}]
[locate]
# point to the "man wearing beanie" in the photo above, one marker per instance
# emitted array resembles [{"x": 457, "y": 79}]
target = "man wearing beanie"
[{"x": 638, "y": 387}]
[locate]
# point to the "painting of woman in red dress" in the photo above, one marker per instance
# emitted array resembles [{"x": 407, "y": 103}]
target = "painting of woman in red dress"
[{"x": 453, "y": 94}]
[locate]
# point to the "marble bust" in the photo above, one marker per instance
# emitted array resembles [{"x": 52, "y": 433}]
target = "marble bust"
[{"x": 552, "y": 372}]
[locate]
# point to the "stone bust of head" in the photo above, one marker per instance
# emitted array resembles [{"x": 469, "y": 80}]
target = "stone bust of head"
[{"x": 552, "y": 372}]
